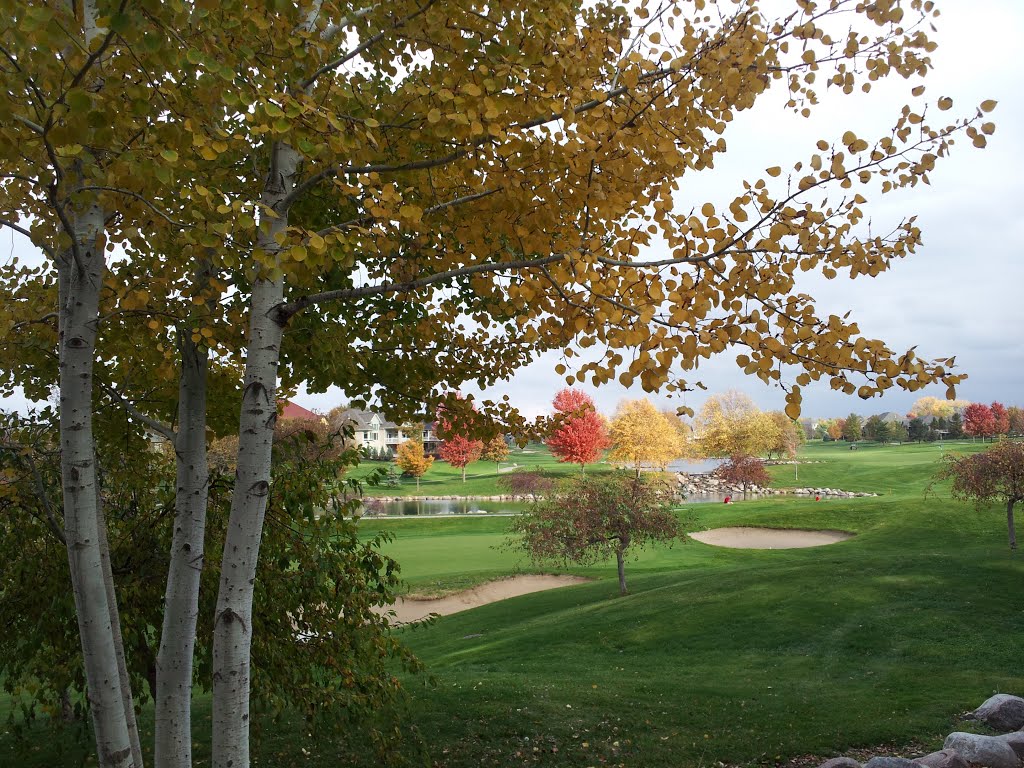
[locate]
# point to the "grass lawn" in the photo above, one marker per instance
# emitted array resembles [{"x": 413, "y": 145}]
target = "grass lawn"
[
  {"x": 738, "y": 657},
  {"x": 443, "y": 479}
]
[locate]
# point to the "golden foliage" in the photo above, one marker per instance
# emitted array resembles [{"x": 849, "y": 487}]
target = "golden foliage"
[{"x": 642, "y": 436}]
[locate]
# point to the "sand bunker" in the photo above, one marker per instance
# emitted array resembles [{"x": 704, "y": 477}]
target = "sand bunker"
[
  {"x": 768, "y": 538},
  {"x": 407, "y": 610}
]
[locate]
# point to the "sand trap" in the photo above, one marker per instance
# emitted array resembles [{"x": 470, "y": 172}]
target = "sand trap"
[
  {"x": 407, "y": 610},
  {"x": 768, "y": 538}
]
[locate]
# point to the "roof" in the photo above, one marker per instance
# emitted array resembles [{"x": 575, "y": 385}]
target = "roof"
[{"x": 291, "y": 410}]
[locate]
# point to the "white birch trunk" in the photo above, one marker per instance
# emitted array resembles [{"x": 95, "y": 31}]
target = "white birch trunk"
[
  {"x": 232, "y": 631},
  {"x": 78, "y": 317},
  {"x": 173, "y": 697},
  {"x": 127, "y": 700}
]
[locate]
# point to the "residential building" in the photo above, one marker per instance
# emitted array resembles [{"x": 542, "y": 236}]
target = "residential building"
[{"x": 376, "y": 434}]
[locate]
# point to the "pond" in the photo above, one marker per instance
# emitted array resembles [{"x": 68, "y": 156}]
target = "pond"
[
  {"x": 695, "y": 467},
  {"x": 426, "y": 507}
]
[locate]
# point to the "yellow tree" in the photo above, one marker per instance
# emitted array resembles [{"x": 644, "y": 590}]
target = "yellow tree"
[
  {"x": 411, "y": 460},
  {"x": 731, "y": 424},
  {"x": 937, "y": 407},
  {"x": 789, "y": 435},
  {"x": 642, "y": 436}
]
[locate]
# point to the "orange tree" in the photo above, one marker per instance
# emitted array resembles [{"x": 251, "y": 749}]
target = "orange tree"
[{"x": 422, "y": 193}]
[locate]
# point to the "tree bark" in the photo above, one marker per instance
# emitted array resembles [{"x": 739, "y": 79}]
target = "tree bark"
[
  {"x": 127, "y": 700},
  {"x": 173, "y": 696},
  {"x": 620, "y": 561},
  {"x": 232, "y": 633},
  {"x": 81, "y": 281},
  {"x": 1009, "y": 524}
]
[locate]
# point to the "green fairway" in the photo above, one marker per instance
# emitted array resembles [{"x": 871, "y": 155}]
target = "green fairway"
[
  {"x": 741, "y": 657},
  {"x": 481, "y": 477}
]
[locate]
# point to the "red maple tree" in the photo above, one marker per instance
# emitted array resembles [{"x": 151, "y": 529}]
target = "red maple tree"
[
  {"x": 1000, "y": 419},
  {"x": 979, "y": 421},
  {"x": 581, "y": 433},
  {"x": 457, "y": 449}
]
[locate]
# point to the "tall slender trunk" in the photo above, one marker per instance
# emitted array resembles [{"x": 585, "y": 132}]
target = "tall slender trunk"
[
  {"x": 173, "y": 696},
  {"x": 1009, "y": 524},
  {"x": 79, "y": 293},
  {"x": 232, "y": 631},
  {"x": 80, "y": 281},
  {"x": 463, "y": 474},
  {"x": 620, "y": 561},
  {"x": 127, "y": 700}
]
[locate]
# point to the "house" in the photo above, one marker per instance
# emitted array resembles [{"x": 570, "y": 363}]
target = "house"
[
  {"x": 379, "y": 436},
  {"x": 292, "y": 410}
]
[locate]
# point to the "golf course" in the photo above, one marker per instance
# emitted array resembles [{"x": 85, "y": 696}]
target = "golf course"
[{"x": 718, "y": 656}]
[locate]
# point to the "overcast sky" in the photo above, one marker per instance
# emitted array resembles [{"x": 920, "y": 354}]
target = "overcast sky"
[{"x": 959, "y": 295}]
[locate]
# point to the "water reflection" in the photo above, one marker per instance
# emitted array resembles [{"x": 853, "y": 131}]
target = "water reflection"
[{"x": 427, "y": 507}]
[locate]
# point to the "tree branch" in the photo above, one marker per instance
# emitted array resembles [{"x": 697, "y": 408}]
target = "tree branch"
[
  {"x": 365, "y": 45},
  {"x": 157, "y": 426},
  {"x": 284, "y": 312},
  {"x": 22, "y": 231}
]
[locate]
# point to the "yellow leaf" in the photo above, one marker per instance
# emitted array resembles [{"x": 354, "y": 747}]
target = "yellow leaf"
[
  {"x": 988, "y": 105},
  {"x": 774, "y": 171},
  {"x": 945, "y": 103},
  {"x": 434, "y": 115}
]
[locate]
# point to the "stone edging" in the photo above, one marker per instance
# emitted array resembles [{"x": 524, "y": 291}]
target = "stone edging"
[{"x": 1003, "y": 713}]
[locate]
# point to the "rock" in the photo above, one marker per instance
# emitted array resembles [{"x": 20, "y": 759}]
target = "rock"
[
  {"x": 1002, "y": 712},
  {"x": 988, "y": 751},
  {"x": 1016, "y": 742},
  {"x": 890, "y": 762},
  {"x": 841, "y": 762},
  {"x": 946, "y": 758}
]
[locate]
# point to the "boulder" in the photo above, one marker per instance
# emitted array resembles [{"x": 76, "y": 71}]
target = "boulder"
[
  {"x": 946, "y": 758},
  {"x": 891, "y": 762},
  {"x": 988, "y": 751},
  {"x": 841, "y": 762},
  {"x": 1016, "y": 742},
  {"x": 1002, "y": 712}
]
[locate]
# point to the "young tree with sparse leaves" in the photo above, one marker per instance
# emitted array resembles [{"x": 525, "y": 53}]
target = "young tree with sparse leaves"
[
  {"x": 995, "y": 474},
  {"x": 587, "y": 519},
  {"x": 744, "y": 471},
  {"x": 378, "y": 163}
]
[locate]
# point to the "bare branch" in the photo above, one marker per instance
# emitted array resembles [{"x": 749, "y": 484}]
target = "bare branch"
[
  {"x": 365, "y": 45},
  {"x": 128, "y": 193},
  {"x": 426, "y": 211},
  {"x": 22, "y": 231},
  {"x": 157, "y": 426},
  {"x": 284, "y": 312}
]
